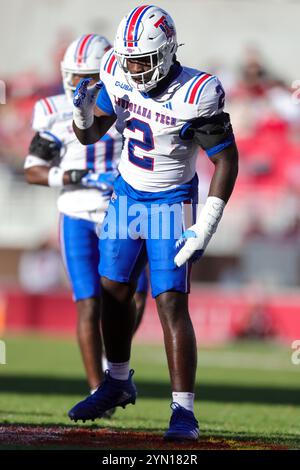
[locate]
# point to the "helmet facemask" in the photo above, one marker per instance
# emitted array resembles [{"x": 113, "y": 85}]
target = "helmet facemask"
[{"x": 160, "y": 61}]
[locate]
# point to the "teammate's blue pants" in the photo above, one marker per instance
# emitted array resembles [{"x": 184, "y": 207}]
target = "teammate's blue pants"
[{"x": 80, "y": 252}]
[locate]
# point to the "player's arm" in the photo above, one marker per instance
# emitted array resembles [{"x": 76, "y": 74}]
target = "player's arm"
[
  {"x": 44, "y": 149},
  {"x": 214, "y": 134},
  {"x": 225, "y": 174},
  {"x": 101, "y": 124},
  {"x": 91, "y": 122}
]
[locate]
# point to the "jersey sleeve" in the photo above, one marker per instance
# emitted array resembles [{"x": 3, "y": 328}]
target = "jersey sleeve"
[
  {"x": 211, "y": 98},
  {"x": 104, "y": 102},
  {"x": 42, "y": 118}
]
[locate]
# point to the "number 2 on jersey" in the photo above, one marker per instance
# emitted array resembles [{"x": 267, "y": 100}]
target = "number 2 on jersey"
[{"x": 147, "y": 143}]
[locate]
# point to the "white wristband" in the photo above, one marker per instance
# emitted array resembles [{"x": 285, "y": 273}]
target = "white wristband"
[
  {"x": 55, "y": 177},
  {"x": 83, "y": 118}
]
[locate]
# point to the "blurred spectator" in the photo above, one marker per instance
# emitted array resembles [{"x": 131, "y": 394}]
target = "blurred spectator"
[
  {"x": 40, "y": 269},
  {"x": 16, "y": 114},
  {"x": 256, "y": 78}
]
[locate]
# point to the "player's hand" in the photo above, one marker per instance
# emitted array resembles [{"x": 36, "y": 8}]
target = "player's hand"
[
  {"x": 193, "y": 242},
  {"x": 75, "y": 176},
  {"x": 85, "y": 95},
  {"x": 84, "y": 101},
  {"x": 104, "y": 182},
  {"x": 197, "y": 237}
]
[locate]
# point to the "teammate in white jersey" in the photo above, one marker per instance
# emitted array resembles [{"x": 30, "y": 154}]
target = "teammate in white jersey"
[
  {"x": 165, "y": 112},
  {"x": 86, "y": 176}
]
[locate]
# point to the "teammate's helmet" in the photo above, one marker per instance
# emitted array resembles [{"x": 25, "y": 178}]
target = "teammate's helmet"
[
  {"x": 83, "y": 56},
  {"x": 147, "y": 31}
]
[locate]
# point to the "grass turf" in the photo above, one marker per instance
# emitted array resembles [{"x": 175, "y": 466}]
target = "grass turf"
[{"x": 246, "y": 391}]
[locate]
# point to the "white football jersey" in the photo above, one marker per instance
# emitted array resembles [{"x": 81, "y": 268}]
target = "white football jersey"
[
  {"x": 55, "y": 114},
  {"x": 154, "y": 158}
]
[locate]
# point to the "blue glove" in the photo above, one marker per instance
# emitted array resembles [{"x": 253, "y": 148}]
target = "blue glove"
[
  {"x": 104, "y": 182},
  {"x": 84, "y": 94}
]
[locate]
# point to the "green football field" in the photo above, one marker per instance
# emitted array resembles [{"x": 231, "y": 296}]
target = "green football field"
[{"x": 248, "y": 397}]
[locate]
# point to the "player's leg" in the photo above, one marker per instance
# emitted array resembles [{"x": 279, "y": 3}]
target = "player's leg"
[
  {"x": 121, "y": 261},
  {"x": 140, "y": 297},
  {"x": 89, "y": 339},
  {"x": 170, "y": 287},
  {"x": 79, "y": 247},
  {"x": 118, "y": 320},
  {"x": 180, "y": 341}
]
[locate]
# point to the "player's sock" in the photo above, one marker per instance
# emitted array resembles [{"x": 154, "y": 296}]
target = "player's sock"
[
  {"x": 118, "y": 370},
  {"x": 93, "y": 390},
  {"x": 104, "y": 363},
  {"x": 185, "y": 399}
]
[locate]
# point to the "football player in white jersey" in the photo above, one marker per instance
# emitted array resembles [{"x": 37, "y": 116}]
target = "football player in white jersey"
[
  {"x": 86, "y": 176},
  {"x": 165, "y": 112}
]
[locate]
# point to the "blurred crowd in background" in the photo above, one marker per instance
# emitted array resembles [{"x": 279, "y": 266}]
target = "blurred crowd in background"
[
  {"x": 265, "y": 117},
  {"x": 266, "y": 121}
]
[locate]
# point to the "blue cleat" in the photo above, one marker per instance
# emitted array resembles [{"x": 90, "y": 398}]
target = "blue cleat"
[
  {"x": 110, "y": 394},
  {"x": 183, "y": 425}
]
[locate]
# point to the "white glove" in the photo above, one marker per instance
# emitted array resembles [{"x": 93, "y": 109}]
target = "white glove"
[
  {"x": 196, "y": 237},
  {"x": 84, "y": 101}
]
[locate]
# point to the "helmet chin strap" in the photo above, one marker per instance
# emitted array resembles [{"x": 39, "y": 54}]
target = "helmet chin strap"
[
  {"x": 145, "y": 85},
  {"x": 148, "y": 85}
]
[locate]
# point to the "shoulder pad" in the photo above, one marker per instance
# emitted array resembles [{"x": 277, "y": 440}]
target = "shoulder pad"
[
  {"x": 206, "y": 94},
  {"x": 212, "y": 98}
]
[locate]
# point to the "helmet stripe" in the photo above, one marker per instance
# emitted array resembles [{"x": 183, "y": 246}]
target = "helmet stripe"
[
  {"x": 81, "y": 48},
  {"x": 132, "y": 24},
  {"x": 88, "y": 45},
  {"x": 77, "y": 47},
  {"x": 79, "y": 44},
  {"x": 127, "y": 24},
  {"x": 139, "y": 22}
]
